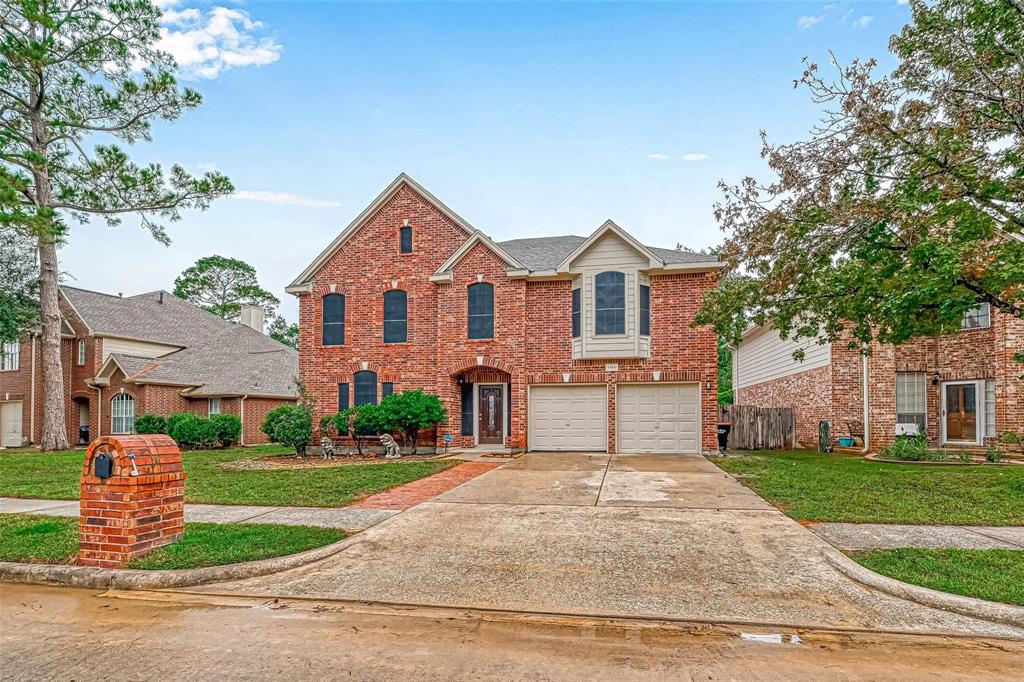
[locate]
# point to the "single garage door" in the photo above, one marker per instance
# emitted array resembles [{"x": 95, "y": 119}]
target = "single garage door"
[
  {"x": 573, "y": 418},
  {"x": 658, "y": 418},
  {"x": 10, "y": 424}
]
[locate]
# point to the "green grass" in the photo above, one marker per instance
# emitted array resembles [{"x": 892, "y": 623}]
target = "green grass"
[
  {"x": 992, "y": 574},
  {"x": 54, "y": 476},
  {"x": 54, "y": 540},
  {"x": 810, "y": 486}
]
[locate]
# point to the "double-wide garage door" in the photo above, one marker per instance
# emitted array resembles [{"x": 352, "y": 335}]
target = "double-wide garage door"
[
  {"x": 573, "y": 418},
  {"x": 658, "y": 418},
  {"x": 651, "y": 418}
]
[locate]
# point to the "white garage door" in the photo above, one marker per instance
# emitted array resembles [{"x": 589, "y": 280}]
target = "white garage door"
[
  {"x": 571, "y": 418},
  {"x": 658, "y": 418},
  {"x": 10, "y": 424}
]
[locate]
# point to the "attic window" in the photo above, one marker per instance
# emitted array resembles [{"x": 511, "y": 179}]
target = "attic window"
[{"x": 405, "y": 239}]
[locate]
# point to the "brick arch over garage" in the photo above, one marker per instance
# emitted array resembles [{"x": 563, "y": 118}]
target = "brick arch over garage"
[{"x": 479, "y": 361}]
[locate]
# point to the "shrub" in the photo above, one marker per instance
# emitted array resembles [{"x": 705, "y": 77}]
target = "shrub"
[
  {"x": 914, "y": 449},
  {"x": 326, "y": 426},
  {"x": 994, "y": 455},
  {"x": 408, "y": 412},
  {"x": 359, "y": 422},
  {"x": 150, "y": 423},
  {"x": 191, "y": 431},
  {"x": 290, "y": 425},
  {"x": 226, "y": 428}
]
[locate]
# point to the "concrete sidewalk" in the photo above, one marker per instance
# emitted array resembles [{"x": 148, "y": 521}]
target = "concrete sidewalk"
[
  {"x": 860, "y": 536},
  {"x": 347, "y": 518}
]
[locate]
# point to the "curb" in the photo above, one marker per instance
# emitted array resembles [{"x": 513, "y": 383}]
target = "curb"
[
  {"x": 138, "y": 579},
  {"x": 1005, "y": 614}
]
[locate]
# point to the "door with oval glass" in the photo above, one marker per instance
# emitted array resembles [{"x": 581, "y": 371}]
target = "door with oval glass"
[{"x": 490, "y": 421}]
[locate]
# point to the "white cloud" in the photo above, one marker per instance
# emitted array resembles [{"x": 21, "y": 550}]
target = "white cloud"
[
  {"x": 902, "y": 2},
  {"x": 207, "y": 43},
  {"x": 284, "y": 199},
  {"x": 693, "y": 157},
  {"x": 805, "y": 22},
  {"x": 658, "y": 156},
  {"x": 863, "y": 22}
]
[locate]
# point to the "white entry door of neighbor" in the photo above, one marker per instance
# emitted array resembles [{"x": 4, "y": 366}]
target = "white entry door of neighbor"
[
  {"x": 569, "y": 418},
  {"x": 10, "y": 424},
  {"x": 658, "y": 418}
]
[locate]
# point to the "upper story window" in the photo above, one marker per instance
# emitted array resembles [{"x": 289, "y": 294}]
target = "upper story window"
[
  {"x": 645, "y": 310},
  {"x": 481, "y": 311},
  {"x": 405, "y": 239},
  {"x": 396, "y": 321},
  {"x": 365, "y": 388},
  {"x": 576, "y": 313},
  {"x": 334, "y": 320},
  {"x": 213, "y": 406},
  {"x": 122, "y": 414},
  {"x": 81, "y": 352},
  {"x": 978, "y": 317},
  {"x": 610, "y": 303},
  {"x": 10, "y": 356}
]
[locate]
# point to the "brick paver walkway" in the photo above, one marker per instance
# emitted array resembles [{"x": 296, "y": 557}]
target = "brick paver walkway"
[{"x": 409, "y": 495}]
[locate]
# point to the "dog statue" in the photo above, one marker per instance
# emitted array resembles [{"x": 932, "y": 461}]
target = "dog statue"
[
  {"x": 327, "y": 448},
  {"x": 390, "y": 446}
]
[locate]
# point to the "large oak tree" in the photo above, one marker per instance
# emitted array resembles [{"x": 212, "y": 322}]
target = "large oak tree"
[
  {"x": 72, "y": 71},
  {"x": 903, "y": 208}
]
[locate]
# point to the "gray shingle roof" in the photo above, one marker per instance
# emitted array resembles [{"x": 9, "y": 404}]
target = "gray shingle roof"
[
  {"x": 218, "y": 357},
  {"x": 545, "y": 253}
]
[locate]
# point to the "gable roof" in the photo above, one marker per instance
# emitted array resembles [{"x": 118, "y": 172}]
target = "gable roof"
[
  {"x": 547, "y": 253},
  {"x": 606, "y": 227},
  {"x": 443, "y": 272},
  {"x": 300, "y": 283}
]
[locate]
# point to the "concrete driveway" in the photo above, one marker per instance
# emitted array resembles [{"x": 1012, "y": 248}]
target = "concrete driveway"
[{"x": 660, "y": 536}]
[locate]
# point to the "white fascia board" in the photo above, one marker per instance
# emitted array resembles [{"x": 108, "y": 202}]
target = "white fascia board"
[{"x": 610, "y": 226}]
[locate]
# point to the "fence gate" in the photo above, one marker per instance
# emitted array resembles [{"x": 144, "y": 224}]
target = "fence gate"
[{"x": 760, "y": 428}]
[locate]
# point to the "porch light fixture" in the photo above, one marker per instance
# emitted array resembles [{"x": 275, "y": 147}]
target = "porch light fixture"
[{"x": 935, "y": 379}]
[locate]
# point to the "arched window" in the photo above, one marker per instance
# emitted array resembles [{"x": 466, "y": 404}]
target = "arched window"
[
  {"x": 481, "y": 311},
  {"x": 122, "y": 414},
  {"x": 334, "y": 320},
  {"x": 365, "y": 388},
  {"x": 610, "y": 303},
  {"x": 396, "y": 320}
]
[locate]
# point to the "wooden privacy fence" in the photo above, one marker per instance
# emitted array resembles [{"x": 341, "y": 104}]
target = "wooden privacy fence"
[{"x": 760, "y": 428}]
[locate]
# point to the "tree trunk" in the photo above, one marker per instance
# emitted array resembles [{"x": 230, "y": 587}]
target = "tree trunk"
[{"x": 55, "y": 431}]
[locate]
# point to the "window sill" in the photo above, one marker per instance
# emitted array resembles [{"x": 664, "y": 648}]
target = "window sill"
[
  {"x": 480, "y": 340},
  {"x": 975, "y": 329}
]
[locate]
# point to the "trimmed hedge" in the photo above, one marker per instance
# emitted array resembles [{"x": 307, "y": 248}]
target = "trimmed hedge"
[
  {"x": 189, "y": 430},
  {"x": 150, "y": 423}
]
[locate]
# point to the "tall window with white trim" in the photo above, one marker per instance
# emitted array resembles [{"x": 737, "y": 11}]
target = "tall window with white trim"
[
  {"x": 978, "y": 317},
  {"x": 213, "y": 406},
  {"x": 122, "y": 414},
  {"x": 81, "y": 352},
  {"x": 910, "y": 399},
  {"x": 10, "y": 356}
]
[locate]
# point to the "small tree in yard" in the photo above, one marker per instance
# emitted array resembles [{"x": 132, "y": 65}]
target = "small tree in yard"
[
  {"x": 358, "y": 422},
  {"x": 410, "y": 411},
  {"x": 290, "y": 425},
  {"x": 72, "y": 71}
]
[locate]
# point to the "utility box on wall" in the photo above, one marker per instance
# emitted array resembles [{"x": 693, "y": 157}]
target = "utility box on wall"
[{"x": 133, "y": 499}]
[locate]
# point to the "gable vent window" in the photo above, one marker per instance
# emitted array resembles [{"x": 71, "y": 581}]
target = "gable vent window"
[
  {"x": 645, "y": 310},
  {"x": 575, "y": 313},
  {"x": 610, "y": 303},
  {"x": 481, "y": 311},
  {"x": 396, "y": 321},
  {"x": 365, "y": 388},
  {"x": 334, "y": 320},
  {"x": 405, "y": 239}
]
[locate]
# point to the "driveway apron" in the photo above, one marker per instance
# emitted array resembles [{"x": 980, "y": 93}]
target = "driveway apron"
[{"x": 658, "y": 536}]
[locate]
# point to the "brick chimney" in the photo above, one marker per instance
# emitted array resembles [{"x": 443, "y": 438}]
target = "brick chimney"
[{"x": 252, "y": 317}]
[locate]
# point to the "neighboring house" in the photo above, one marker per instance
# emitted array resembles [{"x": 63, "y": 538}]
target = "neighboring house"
[
  {"x": 958, "y": 389},
  {"x": 552, "y": 343},
  {"x": 147, "y": 354}
]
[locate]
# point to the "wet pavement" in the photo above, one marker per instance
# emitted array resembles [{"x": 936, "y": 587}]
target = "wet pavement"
[
  {"x": 67, "y": 634},
  {"x": 651, "y": 536}
]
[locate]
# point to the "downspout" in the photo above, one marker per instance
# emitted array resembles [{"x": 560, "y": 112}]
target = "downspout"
[
  {"x": 867, "y": 413},
  {"x": 241, "y": 418},
  {"x": 32, "y": 403}
]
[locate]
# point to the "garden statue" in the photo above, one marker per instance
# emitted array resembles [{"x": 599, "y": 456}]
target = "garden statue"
[
  {"x": 390, "y": 446},
  {"x": 327, "y": 448}
]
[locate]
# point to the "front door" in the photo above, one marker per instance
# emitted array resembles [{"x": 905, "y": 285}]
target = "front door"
[
  {"x": 960, "y": 410},
  {"x": 490, "y": 425}
]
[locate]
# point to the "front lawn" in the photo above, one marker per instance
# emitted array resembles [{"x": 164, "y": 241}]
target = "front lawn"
[
  {"x": 810, "y": 486},
  {"x": 54, "y": 476},
  {"x": 54, "y": 540},
  {"x": 992, "y": 574}
]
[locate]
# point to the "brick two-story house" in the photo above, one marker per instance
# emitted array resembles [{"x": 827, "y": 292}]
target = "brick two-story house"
[
  {"x": 147, "y": 354},
  {"x": 553, "y": 343},
  {"x": 959, "y": 389}
]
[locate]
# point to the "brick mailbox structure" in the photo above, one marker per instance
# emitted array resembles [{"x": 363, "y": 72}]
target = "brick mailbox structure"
[{"x": 133, "y": 499}]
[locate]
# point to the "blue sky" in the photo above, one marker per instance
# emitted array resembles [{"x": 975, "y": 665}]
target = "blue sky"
[{"x": 526, "y": 119}]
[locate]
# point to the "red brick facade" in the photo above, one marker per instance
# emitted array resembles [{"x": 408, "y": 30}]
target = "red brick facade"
[
  {"x": 835, "y": 392},
  {"x": 532, "y": 341}
]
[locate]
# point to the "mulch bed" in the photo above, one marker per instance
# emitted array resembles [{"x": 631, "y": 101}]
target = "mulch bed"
[{"x": 293, "y": 461}]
